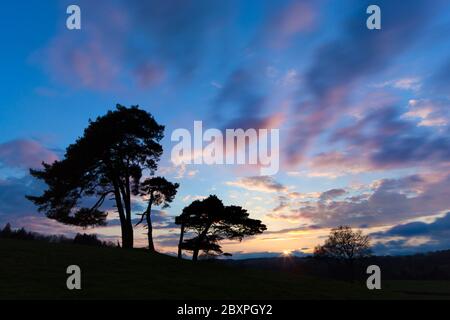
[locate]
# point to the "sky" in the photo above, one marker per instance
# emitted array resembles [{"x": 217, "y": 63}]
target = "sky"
[{"x": 363, "y": 115}]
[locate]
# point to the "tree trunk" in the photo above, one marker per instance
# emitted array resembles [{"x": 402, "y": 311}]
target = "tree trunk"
[
  {"x": 148, "y": 218},
  {"x": 151, "y": 246},
  {"x": 127, "y": 236},
  {"x": 195, "y": 255},
  {"x": 129, "y": 223},
  {"x": 125, "y": 225},
  {"x": 199, "y": 241},
  {"x": 180, "y": 254}
]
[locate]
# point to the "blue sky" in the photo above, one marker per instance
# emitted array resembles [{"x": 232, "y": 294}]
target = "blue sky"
[{"x": 363, "y": 115}]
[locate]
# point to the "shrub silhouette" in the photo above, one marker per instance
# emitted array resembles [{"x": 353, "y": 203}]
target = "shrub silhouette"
[
  {"x": 87, "y": 239},
  {"x": 82, "y": 239}
]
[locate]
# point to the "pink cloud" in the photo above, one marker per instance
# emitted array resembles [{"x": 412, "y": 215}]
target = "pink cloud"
[
  {"x": 135, "y": 40},
  {"x": 25, "y": 154},
  {"x": 89, "y": 64},
  {"x": 91, "y": 58},
  {"x": 258, "y": 183},
  {"x": 382, "y": 202},
  {"x": 297, "y": 17},
  {"x": 93, "y": 67},
  {"x": 341, "y": 65},
  {"x": 149, "y": 74}
]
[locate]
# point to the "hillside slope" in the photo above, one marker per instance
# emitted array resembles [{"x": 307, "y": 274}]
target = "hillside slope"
[{"x": 37, "y": 270}]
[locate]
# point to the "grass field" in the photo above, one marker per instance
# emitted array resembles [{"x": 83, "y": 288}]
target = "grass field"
[{"x": 37, "y": 270}]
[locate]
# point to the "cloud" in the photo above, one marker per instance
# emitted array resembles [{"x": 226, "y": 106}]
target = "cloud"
[
  {"x": 391, "y": 201},
  {"x": 13, "y": 204},
  {"x": 91, "y": 59},
  {"x": 216, "y": 84},
  {"x": 332, "y": 194},
  {"x": 167, "y": 240},
  {"x": 301, "y": 228},
  {"x": 405, "y": 247},
  {"x": 361, "y": 53},
  {"x": 431, "y": 113},
  {"x": 243, "y": 91},
  {"x": 41, "y": 224},
  {"x": 408, "y": 83},
  {"x": 152, "y": 40},
  {"x": 191, "y": 198},
  {"x": 149, "y": 75},
  {"x": 438, "y": 229},
  {"x": 334, "y": 164},
  {"x": 414, "y": 237},
  {"x": 19, "y": 212},
  {"x": 383, "y": 138},
  {"x": 25, "y": 154},
  {"x": 259, "y": 183},
  {"x": 179, "y": 29},
  {"x": 440, "y": 81},
  {"x": 159, "y": 218},
  {"x": 290, "y": 20},
  {"x": 254, "y": 95}
]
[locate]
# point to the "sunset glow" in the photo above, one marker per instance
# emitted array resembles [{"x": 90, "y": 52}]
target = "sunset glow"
[{"x": 362, "y": 115}]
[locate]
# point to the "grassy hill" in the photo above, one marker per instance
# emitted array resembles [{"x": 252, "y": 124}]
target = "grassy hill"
[{"x": 37, "y": 270}]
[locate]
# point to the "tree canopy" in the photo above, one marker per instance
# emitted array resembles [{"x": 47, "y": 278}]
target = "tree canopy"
[
  {"x": 344, "y": 244},
  {"x": 159, "y": 192},
  {"x": 210, "y": 222},
  {"x": 108, "y": 160}
]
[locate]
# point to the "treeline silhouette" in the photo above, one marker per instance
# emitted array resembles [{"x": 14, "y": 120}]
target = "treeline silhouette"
[
  {"x": 346, "y": 254},
  {"x": 80, "y": 238},
  {"x": 425, "y": 266}
]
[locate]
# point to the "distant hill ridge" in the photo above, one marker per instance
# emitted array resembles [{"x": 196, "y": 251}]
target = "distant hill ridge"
[{"x": 429, "y": 266}]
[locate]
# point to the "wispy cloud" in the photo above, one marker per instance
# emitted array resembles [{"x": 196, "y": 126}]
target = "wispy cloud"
[
  {"x": 391, "y": 201},
  {"x": 259, "y": 183},
  {"x": 25, "y": 154}
]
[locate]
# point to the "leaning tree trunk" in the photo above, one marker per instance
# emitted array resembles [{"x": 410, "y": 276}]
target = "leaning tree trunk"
[
  {"x": 151, "y": 245},
  {"x": 180, "y": 254},
  {"x": 195, "y": 255}
]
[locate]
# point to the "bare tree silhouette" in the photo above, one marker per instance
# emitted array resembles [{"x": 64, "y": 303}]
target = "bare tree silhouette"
[{"x": 344, "y": 244}]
